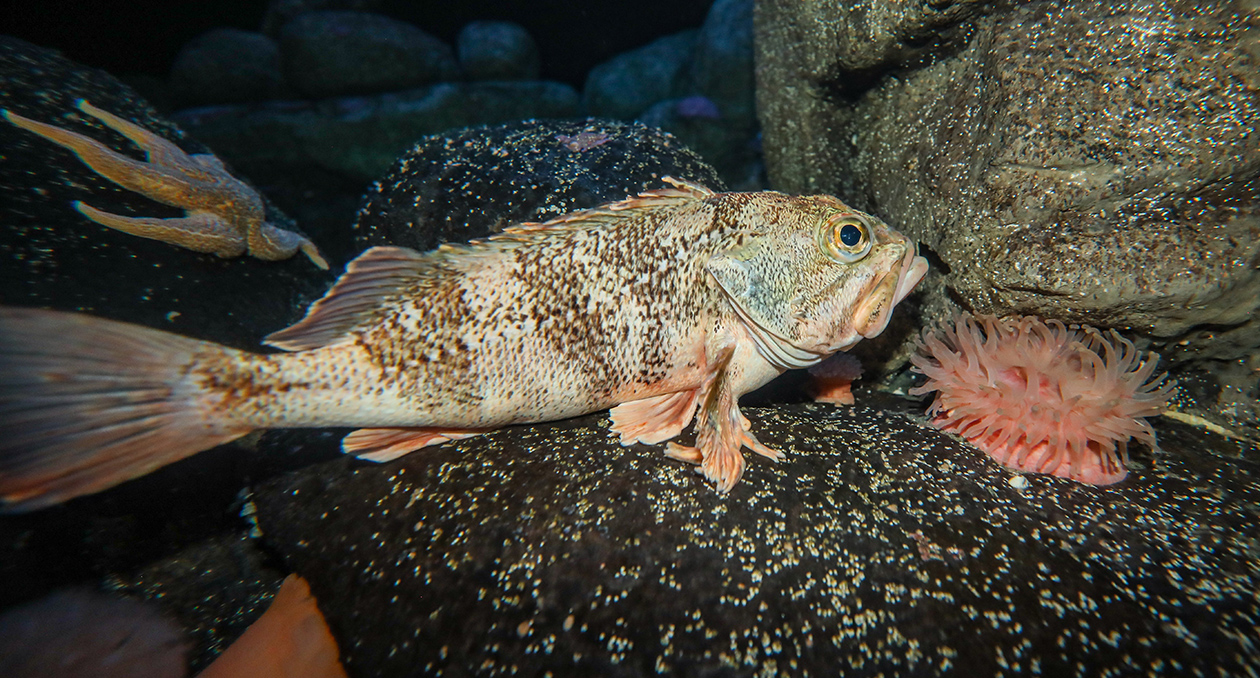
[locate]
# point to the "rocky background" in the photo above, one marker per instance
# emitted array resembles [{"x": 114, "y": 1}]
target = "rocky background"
[
  {"x": 1084, "y": 161},
  {"x": 1095, "y": 162},
  {"x": 319, "y": 100}
]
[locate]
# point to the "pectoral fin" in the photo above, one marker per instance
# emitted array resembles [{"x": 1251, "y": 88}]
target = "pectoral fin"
[
  {"x": 654, "y": 420},
  {"x": 721, "y": 433},
  {"x": 388, "y": 444}
]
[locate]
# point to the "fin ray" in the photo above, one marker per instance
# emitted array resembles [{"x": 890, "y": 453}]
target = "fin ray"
[
  {"x": 387, "y": 444},
  {"x": 62, "y": 436},
  {"x": 377, "y": 274},
  {"x": 679, "y": 192},
  {"x": 656, "y": 419},
  {"x": 382, "y": 272}
]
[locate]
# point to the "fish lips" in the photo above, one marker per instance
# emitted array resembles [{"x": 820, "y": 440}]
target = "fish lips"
[{"x": 872, "y": 314}]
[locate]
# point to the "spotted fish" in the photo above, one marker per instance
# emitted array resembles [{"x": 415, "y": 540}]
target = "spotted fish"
[{"x": 666, "y": 307}]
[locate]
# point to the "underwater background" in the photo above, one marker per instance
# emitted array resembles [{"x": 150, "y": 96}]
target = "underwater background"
[{"x": 1084, "y": 162}]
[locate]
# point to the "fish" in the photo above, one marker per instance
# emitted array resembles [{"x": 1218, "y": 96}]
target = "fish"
[{"x": 665, "y": 307}]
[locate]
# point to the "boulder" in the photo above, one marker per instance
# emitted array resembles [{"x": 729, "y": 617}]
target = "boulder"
[
  {"x": 333, "y": 52},
  {"x": 471, "y": 183},
  {"x": 880, "y": 547},
  {"x": 1089, "y": 161},
  {"x": 57, "y": 258},
  {"x": 227, "y": 65},
  {"x": 497, "y": 50}
]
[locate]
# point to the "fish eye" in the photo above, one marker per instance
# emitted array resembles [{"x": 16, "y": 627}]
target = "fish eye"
[
  {"x": 844, "y": 238},
  {"x": 850, "y": 235}
]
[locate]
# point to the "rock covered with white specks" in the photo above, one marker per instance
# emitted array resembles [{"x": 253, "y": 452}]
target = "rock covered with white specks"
[
  {"x": 1090, "y": 161},
  {"x": 470, "y": 183},
  {"x": 880, "y": 546}
]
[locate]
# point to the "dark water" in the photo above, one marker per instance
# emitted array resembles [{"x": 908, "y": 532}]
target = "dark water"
[{"x": 144, "y": 37}]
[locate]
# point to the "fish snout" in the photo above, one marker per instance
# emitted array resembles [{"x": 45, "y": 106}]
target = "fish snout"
[{"x": 873, "y": 313}]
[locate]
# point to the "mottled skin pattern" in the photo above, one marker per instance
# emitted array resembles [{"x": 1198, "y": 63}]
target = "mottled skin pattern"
[
  {"x": 668, "y": 306},
  {"x": 586, "y": 312}
]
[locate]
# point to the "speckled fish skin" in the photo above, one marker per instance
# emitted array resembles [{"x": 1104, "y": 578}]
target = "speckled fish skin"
[
  {"x": 590, "y": 311},
  {"x": 667, "y": 305}
]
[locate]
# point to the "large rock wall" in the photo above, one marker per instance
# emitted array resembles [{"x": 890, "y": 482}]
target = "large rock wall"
[{"x": 1092, "y": 161}]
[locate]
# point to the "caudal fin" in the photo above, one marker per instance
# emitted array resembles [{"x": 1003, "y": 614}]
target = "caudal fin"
[{"x": 86, "y": 404}]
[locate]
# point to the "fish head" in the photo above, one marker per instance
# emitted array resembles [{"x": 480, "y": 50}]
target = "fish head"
[{"x": 815, "y": 278}]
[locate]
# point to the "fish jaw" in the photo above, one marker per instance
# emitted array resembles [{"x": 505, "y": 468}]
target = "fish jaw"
[{"x": 873, "y": 313}]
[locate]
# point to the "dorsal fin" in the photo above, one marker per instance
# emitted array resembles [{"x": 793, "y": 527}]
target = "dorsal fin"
[
  {"x": 381, "y": 272},
  {"x": 377, "y": 273},
  {"x": 679, "y": 192}
]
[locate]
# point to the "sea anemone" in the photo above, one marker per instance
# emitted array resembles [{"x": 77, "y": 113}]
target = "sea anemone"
[{"x": 1040, "y": 396}]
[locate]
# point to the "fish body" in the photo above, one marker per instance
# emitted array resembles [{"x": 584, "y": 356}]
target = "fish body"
[{"x": 666, "y": 307}]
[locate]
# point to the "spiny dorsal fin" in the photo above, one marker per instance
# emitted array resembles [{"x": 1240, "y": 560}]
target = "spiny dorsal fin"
[
  {"x": 680, "y": 192},
  {"x": 378, "y": 273},
  {"x": 382, "y": 272}
]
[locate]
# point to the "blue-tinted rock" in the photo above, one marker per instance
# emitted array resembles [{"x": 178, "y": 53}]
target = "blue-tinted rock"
[
  {"x": 227, "y": 65},
  {"x": 332, "y": 53},
  {"x": 699, "y": 123},
  {"x": 470, "y": 183},
  {"x": 722, "y": 65},
  {"x": 360, "y": 137},
  {"x": 497, "y": 50},
  {"x": 627, "y": 84}
]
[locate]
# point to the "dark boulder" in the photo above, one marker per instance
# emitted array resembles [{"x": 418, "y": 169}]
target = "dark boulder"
[
  {"x": 881, "y": 547},
  {"x": 1089, "y": 161},
  {"x": 56, "y": 258}
]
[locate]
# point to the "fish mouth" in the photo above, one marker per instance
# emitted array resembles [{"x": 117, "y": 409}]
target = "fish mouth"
[{"x": 872, "y": 315}]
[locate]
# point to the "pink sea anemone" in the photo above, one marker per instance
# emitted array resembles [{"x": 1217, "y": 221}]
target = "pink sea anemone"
[{"x": 1040, "y": 396}]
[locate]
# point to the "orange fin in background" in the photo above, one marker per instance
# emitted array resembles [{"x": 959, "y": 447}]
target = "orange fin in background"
[
  {"x": 290, "y": 640},
  {"x": 656, "y": 419},
  {"x": 77, "y": 632},
  {"x": 831, "y": 381},
  {"x": 87, "y": 403},
  {"x": 837, "y": 391},
  {"x": 388, "y": 444}
]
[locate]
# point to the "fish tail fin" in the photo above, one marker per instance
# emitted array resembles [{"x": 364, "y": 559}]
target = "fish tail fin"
[{"x": 87, "y": 403}]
